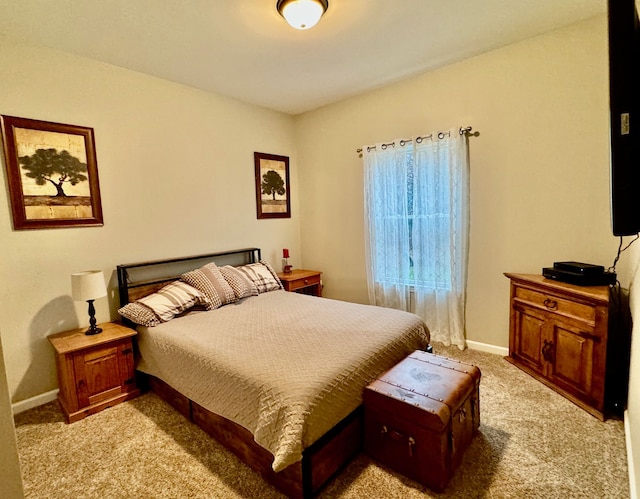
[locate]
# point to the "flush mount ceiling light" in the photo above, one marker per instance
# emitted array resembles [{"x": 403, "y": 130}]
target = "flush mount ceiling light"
[{"x": 302, "y": 14}]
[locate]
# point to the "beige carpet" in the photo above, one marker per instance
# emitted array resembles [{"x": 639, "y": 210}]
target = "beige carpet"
[{"x": 532, "y": 444}]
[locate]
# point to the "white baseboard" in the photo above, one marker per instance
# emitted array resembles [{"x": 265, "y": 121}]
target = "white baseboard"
[
  {"x": 632, "y": 473},
  {"x": 38, "y": 400},
  {"x": 485, "y": 347}
]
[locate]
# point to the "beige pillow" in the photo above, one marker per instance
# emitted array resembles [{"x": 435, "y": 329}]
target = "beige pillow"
[
  {"x": 241, "y": 284},
  {"x": 139, "y": 314},
  {"x": 209, "y": 281}
]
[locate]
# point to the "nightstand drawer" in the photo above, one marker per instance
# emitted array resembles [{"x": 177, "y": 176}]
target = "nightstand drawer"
[{"x": 304, "y": 282}]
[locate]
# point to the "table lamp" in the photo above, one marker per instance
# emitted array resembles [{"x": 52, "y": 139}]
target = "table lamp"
[
  {"x": 88, "y": 286},
  {"x": 286, "y": 268}
]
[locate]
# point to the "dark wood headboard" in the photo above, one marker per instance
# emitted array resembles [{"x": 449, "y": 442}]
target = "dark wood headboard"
[{"x": 136, "y": 280}]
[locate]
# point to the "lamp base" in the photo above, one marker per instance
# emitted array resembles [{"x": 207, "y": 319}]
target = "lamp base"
[{"x": 93, "y": 330}]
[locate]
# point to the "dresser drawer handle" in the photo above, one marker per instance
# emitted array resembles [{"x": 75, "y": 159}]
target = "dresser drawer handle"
[
  {"x": 550, "y": 304},
  {"x": 306, "y": 281}
]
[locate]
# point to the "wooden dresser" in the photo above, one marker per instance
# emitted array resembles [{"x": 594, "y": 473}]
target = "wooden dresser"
[{"x": 559, "y": 334}]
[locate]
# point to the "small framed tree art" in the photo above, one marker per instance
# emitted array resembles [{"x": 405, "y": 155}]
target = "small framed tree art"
[
  {"x": 52, "y": 174},
  {"x": 272, "y": 186}
]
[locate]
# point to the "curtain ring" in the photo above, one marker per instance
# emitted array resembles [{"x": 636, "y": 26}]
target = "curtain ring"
[{"x": 441, "y": 135}]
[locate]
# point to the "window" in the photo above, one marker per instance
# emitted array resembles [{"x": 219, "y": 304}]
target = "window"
[{"x": 416, "y": 210}]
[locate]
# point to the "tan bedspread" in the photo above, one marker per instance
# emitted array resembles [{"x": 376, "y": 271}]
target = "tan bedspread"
[{"x": 285, "y": 366}]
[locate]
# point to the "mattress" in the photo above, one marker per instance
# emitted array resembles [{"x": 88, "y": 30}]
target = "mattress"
[{"x": 285, "y": 366}]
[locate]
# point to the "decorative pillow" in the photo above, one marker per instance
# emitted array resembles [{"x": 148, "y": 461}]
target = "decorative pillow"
[
  {"x": 262, "y": 275},
  {"x": 212, "y": 284},
  {"x": 242, "y": 285},
  {"x": 164, "y": 305},
  {"x": 273, "y": 273},
  {"x": 139, "y": 314}
]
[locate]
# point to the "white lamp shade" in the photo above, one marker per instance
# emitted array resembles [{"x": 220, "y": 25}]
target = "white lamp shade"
[
  {"x": 302, "y": 14},
  {"x": 88, "y": 285}
]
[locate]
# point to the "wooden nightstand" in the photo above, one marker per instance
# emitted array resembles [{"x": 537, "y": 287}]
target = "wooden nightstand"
[
  {"x": 302, "y": 281},
  {"x": 94, "y": 372}
]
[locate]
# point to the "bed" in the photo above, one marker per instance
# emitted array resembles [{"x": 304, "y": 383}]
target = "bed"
[{"x": 276, "y": 377}]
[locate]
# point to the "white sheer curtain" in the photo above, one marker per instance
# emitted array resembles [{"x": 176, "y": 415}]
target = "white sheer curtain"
[{"x": 417, "y": 229}]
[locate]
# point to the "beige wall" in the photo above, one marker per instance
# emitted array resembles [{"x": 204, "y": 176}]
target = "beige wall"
[
  {"x": 176, "y": 176},
  {"x": 539, "y": 168},
  {"x": 10, "y": 475}
]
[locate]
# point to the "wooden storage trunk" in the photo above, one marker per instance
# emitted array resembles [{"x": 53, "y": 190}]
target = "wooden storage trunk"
[{"x": 421, "y": 415}]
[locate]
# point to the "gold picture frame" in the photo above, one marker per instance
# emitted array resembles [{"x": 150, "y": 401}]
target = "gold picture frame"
[
  {"x": 52, "y": 174},
  {"x": 273, "y": 199}
]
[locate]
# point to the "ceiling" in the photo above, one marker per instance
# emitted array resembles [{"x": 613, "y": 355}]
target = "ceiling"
[{"x": 244, "y": 49}]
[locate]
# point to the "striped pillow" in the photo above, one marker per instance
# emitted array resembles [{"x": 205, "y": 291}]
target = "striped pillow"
[
  {"x": 164, "y": 305},
  {"x": 210, "y": 282},
  {"x": 262, "y": 275},
  {"x": 242, "y": 285}
]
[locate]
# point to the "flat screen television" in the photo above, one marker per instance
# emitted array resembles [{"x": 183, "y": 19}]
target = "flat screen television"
[{"x": 624, "y": 95}]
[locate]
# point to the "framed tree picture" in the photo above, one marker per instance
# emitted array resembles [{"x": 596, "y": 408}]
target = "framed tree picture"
[
  {"x": 272, "y": 185},
  {"x": 52, "y": 174}
]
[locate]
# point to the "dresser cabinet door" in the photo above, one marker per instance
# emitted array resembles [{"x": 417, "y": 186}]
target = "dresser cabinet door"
[
  {"x": 528, "y": 337},
  {"x": 571, "y": 358}
]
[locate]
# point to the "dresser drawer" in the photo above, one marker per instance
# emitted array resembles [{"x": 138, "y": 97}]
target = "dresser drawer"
[
  {"x": 556, "y": 304},
  {"x": 304, "y": 282}
]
